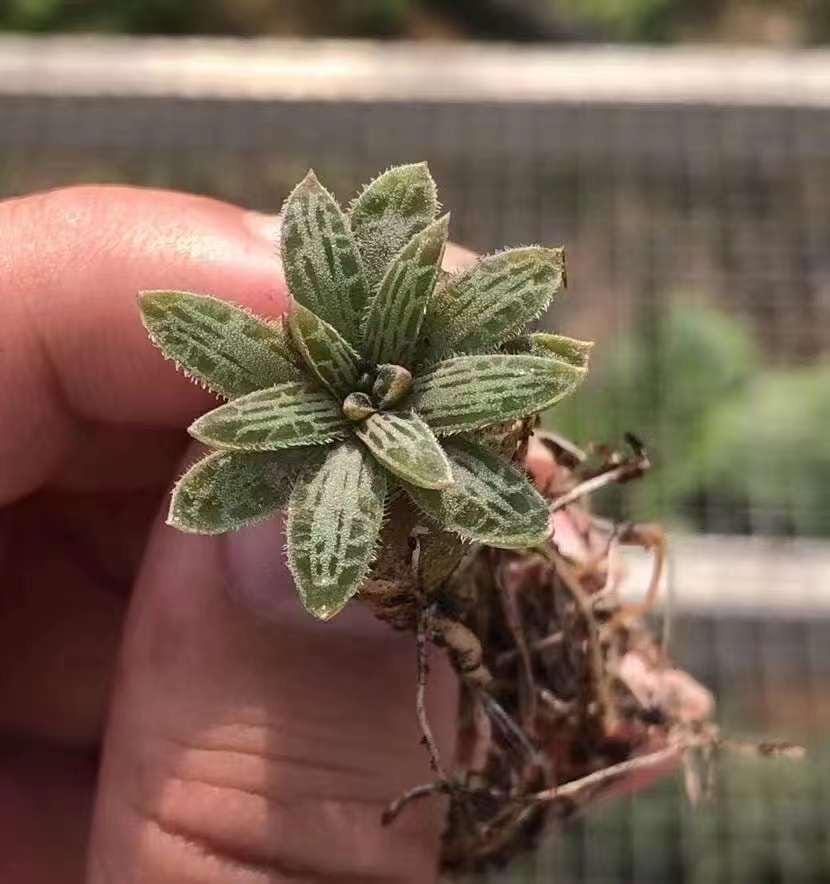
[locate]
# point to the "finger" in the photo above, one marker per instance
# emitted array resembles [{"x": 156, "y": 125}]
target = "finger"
[
  {"x": 245, "y": 749},
  {"x": 71, "y": 264},
  {"x": 74, "y": 350},
  {"x": 66, "y": 582},
  {"x": 457, "y": 258},
  {"x": 45, "y": 807}
]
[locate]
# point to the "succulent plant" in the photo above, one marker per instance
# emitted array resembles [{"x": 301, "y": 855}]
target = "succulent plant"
[{"x": 378, "y": 381}]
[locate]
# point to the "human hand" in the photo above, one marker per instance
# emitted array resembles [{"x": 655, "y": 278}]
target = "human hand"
[{"x": 237, "y": 746}]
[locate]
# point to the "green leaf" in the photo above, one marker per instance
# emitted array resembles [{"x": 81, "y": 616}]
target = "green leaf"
[
  {"x": 334, "y": 519},
  {"x": 322, "y": 264},
  {"x": 285, "y": 416},
  {"x": 389, "y": 212},
  {"x": 405, "y": 445},
  {"x": 397, "y": 310},
  {"x": 229, "y": 489},
  {"x": 331, "y": 358},
  {"x": 490, "y": 501},
  {"x": 577, "y": 353},
  {"x": 221, "y": 345},
  {"x": 470, "y": 392},
  {"x": 494, "y": 299}
]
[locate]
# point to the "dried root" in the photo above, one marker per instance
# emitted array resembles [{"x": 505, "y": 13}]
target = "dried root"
[{"x": 566, "y": 694}]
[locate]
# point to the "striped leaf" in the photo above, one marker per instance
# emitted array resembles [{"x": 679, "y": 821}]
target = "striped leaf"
[
  {"x": 469, "y": 392},
  {"x": 322, "y": 264},
  {"x": 334, "y": 519},
  {"x": 404, "y": 444},
  {"x": 285, "y": 416},
  {"x": 577, "y": 353},
  {"x": 229, "y": 489},
  {"x": 389, "y": 212},
  {"x": 397, "y": 310},
  {"x": 489, "y": 501},
  {"x": 328, "y": 355},
  {"x": 491, "y": 301},
  {"x": 222, "y": 346}
]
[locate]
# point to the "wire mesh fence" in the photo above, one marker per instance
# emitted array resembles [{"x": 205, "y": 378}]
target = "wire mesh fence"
[{"x": 698, "y": 238}]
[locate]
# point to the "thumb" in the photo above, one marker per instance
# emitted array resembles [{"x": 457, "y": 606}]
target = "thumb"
[{"x": 258, "y": 745}]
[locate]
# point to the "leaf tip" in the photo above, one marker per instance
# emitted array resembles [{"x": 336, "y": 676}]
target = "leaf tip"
[
  {"x": 310, "y": 181},
  {"x": 563, "y": 260},
  {"x": 171, "y": 511},
  {"x": 326, "y": 613},
  {"x": 197, "y": 429},
  {"x": 150, "y": 300}
]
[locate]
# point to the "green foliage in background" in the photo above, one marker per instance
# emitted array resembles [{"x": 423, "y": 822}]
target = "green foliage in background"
[
  {"x": 731, "y": 440},
  {"x": 767, "y": 451},
  {"x": 646, "y": 21},
  {"x": 661, "y": 384},
  {"x": 626, "y": 20},
  {"x": 131, "y": 16},
  {"x": 765, "y": 823},
  {"x": 243, "y": 17}
]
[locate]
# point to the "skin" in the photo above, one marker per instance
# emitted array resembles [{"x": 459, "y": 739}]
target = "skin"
[{"x": 169, "y": 714}]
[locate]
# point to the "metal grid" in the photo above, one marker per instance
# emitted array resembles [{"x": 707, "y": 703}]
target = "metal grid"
[{"x": 729, "y": 203}]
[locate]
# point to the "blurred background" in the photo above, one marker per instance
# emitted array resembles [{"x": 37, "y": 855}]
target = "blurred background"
[{"x": 680, "y": 150}]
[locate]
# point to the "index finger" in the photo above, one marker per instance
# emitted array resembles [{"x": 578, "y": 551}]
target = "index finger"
[
  {"x": 73, "y": 350},
  {"x": 73, "y": 347}
]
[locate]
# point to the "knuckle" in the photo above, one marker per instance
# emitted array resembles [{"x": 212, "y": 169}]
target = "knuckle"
[{"x": 222, "y": 811}]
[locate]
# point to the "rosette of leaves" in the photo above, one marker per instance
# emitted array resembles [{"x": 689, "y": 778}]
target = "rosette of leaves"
[{"x": 377, "y": 381}]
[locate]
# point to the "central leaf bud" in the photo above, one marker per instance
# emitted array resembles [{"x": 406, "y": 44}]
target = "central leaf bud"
[
  {"x": 392, "y": 383},
  {"x": 357, "y": 406}
]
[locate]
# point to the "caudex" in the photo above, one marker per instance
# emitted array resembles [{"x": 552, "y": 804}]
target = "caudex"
[{"x": 392, "y": 386}]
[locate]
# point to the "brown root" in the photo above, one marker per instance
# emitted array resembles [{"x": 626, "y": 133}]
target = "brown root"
[{"x": 566, "y": 694}]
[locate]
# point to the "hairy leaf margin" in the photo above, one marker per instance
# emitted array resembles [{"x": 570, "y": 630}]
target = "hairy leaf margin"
[
  {"x": 389, "y": 211},
  {"x": 220, "y": 345},
  {"x": 287, "y": 415},
  {"x": 321, "y": 260},
  {"x": 406, "y": 446},
  {"x": 395, "y": 314},
  {"x": 335, "y": 516},
  {"x": 226, "y": 490},
  {"x": 471, "y": 392},
  {"x": 490, "y": 501}
]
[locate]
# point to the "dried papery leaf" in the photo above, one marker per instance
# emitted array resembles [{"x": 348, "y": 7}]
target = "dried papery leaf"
[
  {"x": 489, "y": 501},
  {"x": 389, "y": 212},
  {"x": 470, "y": 392},
  {"x": 326, "y": 353},
  {"x": 405, "y": 445},
  {"x": 228, "y": 489},
  {"x": 223, "y": 346},
  {"x": 334, "y": 519},
  {"x": 570, "y": 350},
  {"x": 494, "y": 299},
  {"x": 321, "y": 260},
  {"x": 285, "y": 416},
  {"x": 397, "y": 310}
]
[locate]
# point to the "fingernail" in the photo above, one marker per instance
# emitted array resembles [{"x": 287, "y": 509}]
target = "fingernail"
[
  {"x": 265, "y": 228},
  {"x": 257, "y": 579},
  {"x": 256, "y": 575}
]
